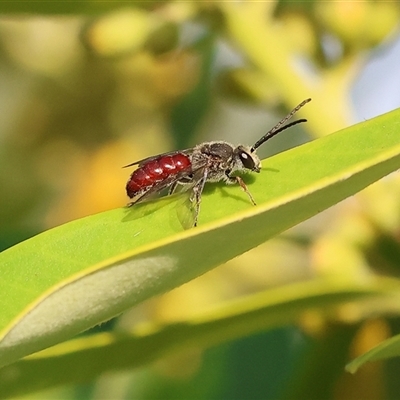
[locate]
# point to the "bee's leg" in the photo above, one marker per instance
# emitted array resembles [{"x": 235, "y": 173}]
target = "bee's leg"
[
  {"x": 239, "y": 180},
  {"x": 196, "y": 195}
]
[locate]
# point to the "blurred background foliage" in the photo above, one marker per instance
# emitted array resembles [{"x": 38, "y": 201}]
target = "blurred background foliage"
[{"x": 87, "y": 87}]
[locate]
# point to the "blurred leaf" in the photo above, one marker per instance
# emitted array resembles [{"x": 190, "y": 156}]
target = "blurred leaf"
[
  {"x": 71, "y": 7},
  {"x": 268, "y": 49},
  {"x": 387, "y": 349},
  {"x": 246, "y": 84},
  {"x": 333, "y": 346},
  {"x": 120, "y": 33},
  {"x": 190, "y": 110},
  {"x": 77, "y": 275},
  {"x": 83, "y": 359}
]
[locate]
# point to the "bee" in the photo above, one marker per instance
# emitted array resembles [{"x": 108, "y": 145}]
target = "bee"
[{"x": 207, "y": 162}]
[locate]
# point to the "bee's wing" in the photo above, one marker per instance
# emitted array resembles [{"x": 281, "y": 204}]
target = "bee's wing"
[
  {"x": 170, "y": 153},
  {"x": 185, "y": 209}
]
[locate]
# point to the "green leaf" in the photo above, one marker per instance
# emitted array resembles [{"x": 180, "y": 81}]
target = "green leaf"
[
  {"x": 387, "y": 349},
  {"x": 77, "y": 275}
]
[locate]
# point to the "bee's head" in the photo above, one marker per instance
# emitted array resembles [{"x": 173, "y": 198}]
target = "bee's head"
[{"x": 247, "y": 159}]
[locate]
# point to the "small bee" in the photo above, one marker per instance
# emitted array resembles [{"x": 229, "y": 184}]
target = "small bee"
[{"x": 192, "y": 168}]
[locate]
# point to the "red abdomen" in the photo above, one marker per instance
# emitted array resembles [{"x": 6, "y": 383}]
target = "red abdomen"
[{"x": 155, "y": 171}]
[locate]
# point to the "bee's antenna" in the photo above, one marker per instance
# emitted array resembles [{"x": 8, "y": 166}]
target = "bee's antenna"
[{"x": 279, "y": 127}]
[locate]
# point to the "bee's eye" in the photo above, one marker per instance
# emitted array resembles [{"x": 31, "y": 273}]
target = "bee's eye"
[{"x": 247, "y": 160}]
